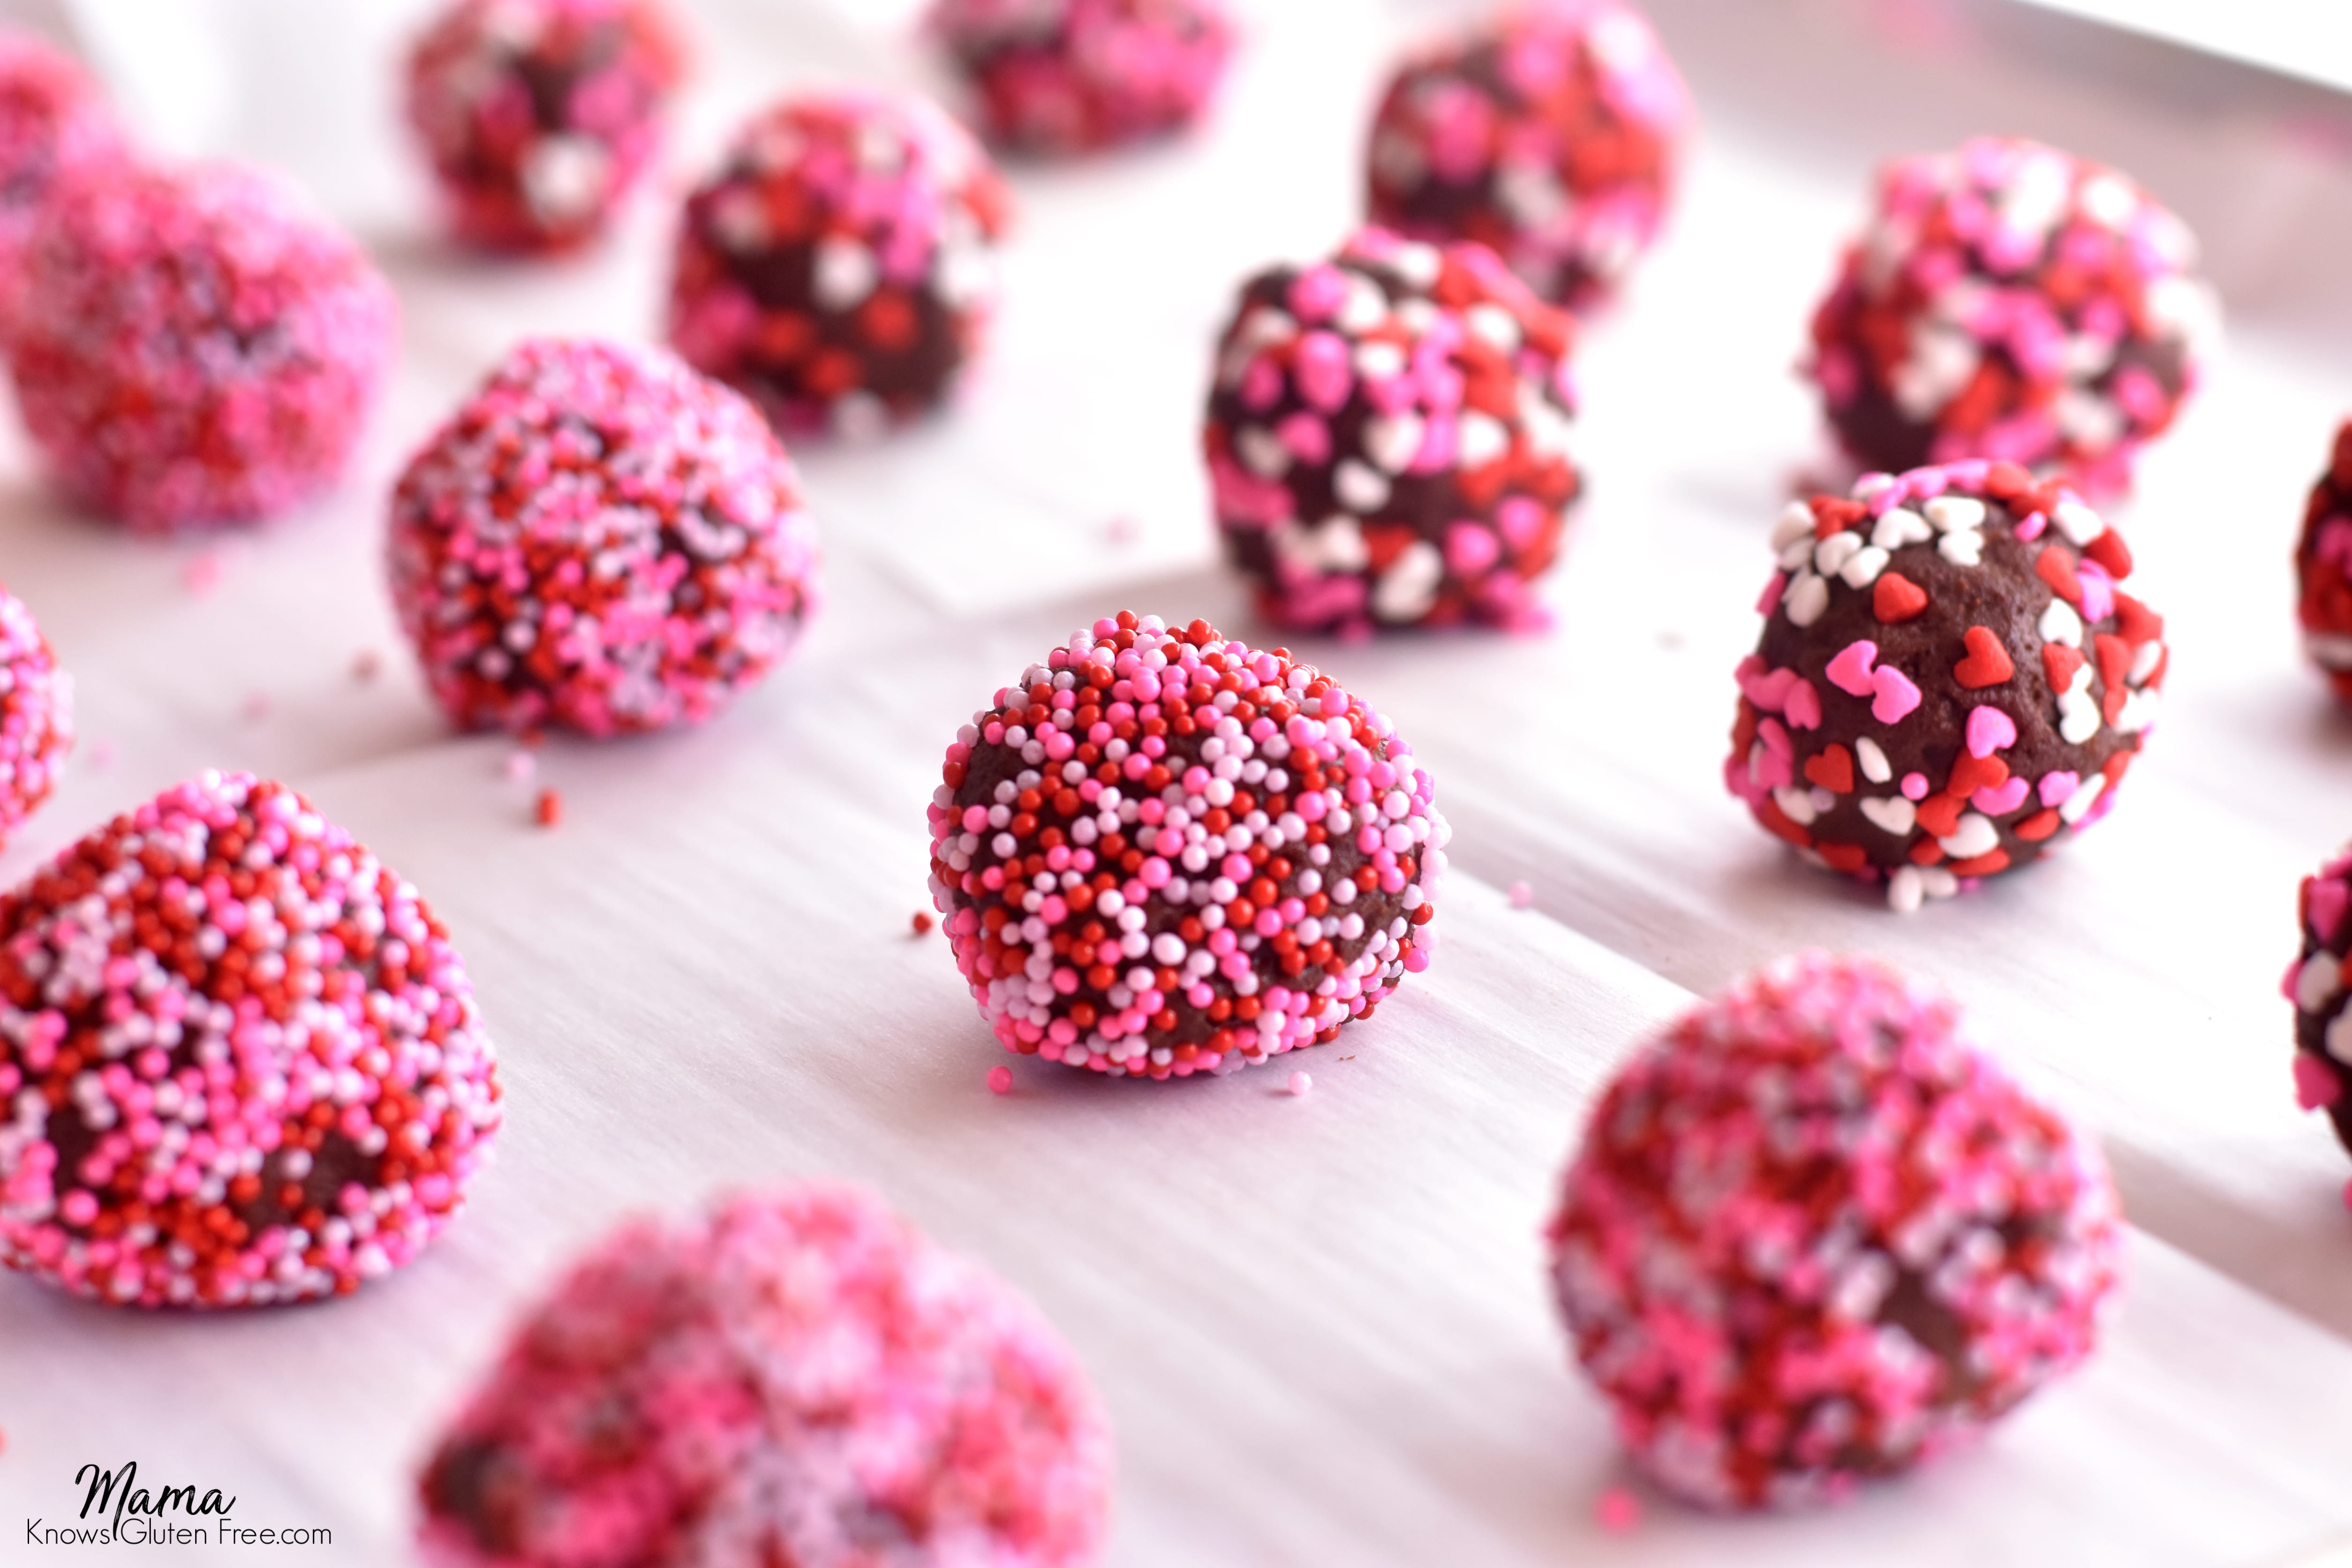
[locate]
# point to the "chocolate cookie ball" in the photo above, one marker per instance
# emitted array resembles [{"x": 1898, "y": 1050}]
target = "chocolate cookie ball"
[
  {"x": 1163, "y": 852},
  {"x": 1550, "y": 132},
  {"x": 1951, "y": 682},
  {"x": 243, "y": 1058},
  {"x": 195, "y": 346},
  {"x": 1815, "y": 1236},
  {"x": 1064, "y": 76},
  {"x": 55, "y": 125},
  {"x": 539, "y": 116},
  {"x": 840, "y": 268},
  {"x": 1388, "y": 439},
  {"x": 2323, "y": 569},
  {"x": 2316, "y": 984},
  {"x": 2010, "y": 302},
  {"x": 798, "y": 1378},
  {"x": 601, "y": 540},
  {"x": 36, "y": 715}
]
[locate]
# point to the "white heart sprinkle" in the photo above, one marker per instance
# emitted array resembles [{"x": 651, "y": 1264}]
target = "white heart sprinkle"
[
  {"x": 1359, "y": 487},
  {"x": 845, "y": 273},
  {"x": 1393, "y": 441},
  {"x": 2321, "y": 977},
  {"x": 1903, "y": 891},
  {"x": 1409, "y": 587},
  {"x": 1863, "y": 570},
  {"x": 2060, "y": 624},
  {"x": 1952, "y": 513},
  {"x": 1975, "y": 835},
  {"x": 1899, "y": 528},
  {"x": 2339, "y": 1037},
  {"x": 1796, "y": 522},
  {"x": 1938, "y": 882},
  {"x": 1807, "y": 598},
  {"x": 2078, "y": 805},
  {"x": 1797, "y": 552},
  {"x": 2144, "y": 663},
  {"x": 1483, "y": 440},
  {"x": 1875, "y": 765},
  {"x": 1834, "y": 551},
  {"x": 1965, "y": 548},
  {"x": 1262, "y": 451},
  {"x": 1891, "y": 814},
  {"x": 1795, "y": 804},
  {"x": 2077, "y": 521}
]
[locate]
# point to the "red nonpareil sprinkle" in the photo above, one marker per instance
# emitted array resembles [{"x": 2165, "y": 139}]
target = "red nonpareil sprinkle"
[
  {"x": 1064, "y": 76},
  {"x": 1550, "y": 133},
  {"x": 267, "y": 1080},
  {"x": 768, "y": 1384},
  {"x": 600, "y": 539},
  {"x": 1165, "y": 852},
  {"x": 539, "y": 116},
  {"x": 921, "y": 923},
  {"x": 551, "y": 808},
  {"x": 140, "y": 366},
  {"x": 1814, "y": 1235}
]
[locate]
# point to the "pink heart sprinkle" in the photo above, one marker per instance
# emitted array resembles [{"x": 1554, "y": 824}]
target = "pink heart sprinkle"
[
  {"x": 1915, "y": 786},
  {"x": 1804, "y": 709},
  {"x": 2002, "y": 801},
  {"x": 1772, "y": 590},
  {"x": 2317, "y": 1087},
  {"x": 1896, "y": 696},
  {"x": 2058, "y": 788},
  {"x": 1768, "y": 691},
  {"x": 1989, "y": 730},
  {"x": 1850, "y": 670},
  {"x": 2328, "y": 898}
]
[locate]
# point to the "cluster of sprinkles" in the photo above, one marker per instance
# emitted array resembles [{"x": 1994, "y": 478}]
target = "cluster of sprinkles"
[
  {"x": 840, "y": 267},
  {"x": 539, "y": 116},
  {"x": 36, "y": 715},
  {"x": 2323, "y": 568},
  {"x": 239, "y": 1060},
  {"x": 2318, "y": 984},
  {"x": 1388, "y": 439},
  {"x": 603, "y": 540},
  {"x": 194, "y": 345},
  {"x": 1950, "y": 681},
  {"x": 1065, "y": 77},
  {"x": 2011, "y": 300},
  {"x": 1162, "y": 852},
  {"x": 793, "y": 1378},
  {"x": 1550, "y": 132},
  {"x": 55, "y": 125},
  {"x": 1814, "y": 1235}
]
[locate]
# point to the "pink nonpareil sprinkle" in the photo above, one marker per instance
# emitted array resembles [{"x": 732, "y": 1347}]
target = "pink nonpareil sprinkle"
[
  {"x": 1522, "y": 895},
  {"x": 521, "y": 767},
  {"x": 203, "y": 574},
  {"x": 1618, "y": 1511},
  {"x": 1000, "y": 1080},
  {"x": 1300, "y": 1083}
]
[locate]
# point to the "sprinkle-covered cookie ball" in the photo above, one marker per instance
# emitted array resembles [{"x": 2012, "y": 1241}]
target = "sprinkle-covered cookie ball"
[
  {"x": 840, "y": 268},
  {"x": 36, "y": 715},
  {"x": 601, "y": 540},
  {"x": 195, "y": 346},
  {"x": 1162, "y": 853},
  {"x": 1388, "y": 439},
  {"x": 794, "y": 1378},
  {"x": 1814, "y": 1235},
  {"x": 242, "y": 1060},
  {"x": 2315, "y": 983},
  {"x": 1064, "y": 76},
  {"x": 1550, "y": 132},
  {"x": 539, "y": 116},
  {"x": 1951, "y": 681},
  {"x": 2323, "y": 569},
  {"x": 2008, "y": 300},
  {"x": 53, "y": 124}
]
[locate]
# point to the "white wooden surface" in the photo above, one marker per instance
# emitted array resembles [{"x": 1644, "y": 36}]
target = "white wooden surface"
[{"x": 1320, "y": 1325}]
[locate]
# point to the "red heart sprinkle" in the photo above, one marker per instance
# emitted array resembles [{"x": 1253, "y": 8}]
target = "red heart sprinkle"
[
  {"x": 2057, "y": 567},
  {"x": 1832, "y": 769},
  {"x": 1970, "y": 774},
  {"x": 2136, "y": 621},
  {"x": 1834, "y": 514},
  {"x": 2059, "y": 663},
  {"x": 1940, "y": 814},
  {"x": 2114, "y": 657},
  {"x": 2038, "y": 826},
  {"x": 1841, "y": 857},
  {"x": 2005, "y": 479},
  {"x": 1896, "y": 598},
  {"x": 2110, "y": 551},
  {"x": 1983, "y": 865},
  {"x": 1987, "y": 664}
]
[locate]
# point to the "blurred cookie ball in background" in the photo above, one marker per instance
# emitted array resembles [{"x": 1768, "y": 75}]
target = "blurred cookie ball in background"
[
  {"x": 1550, "y": 132},
  {"x": 195, "y": 346},
  {"x": 1388, "y": 439},
  {"x": 2323, "y": 569},
  {"x": 1815, "y": 1234},
  {"x": 36, "y": 715},
  {"x": 797, "y": 1377},
  {"x": 539, "y": 116},
  {"x": 2008, "y": 300},
  {"x": 601, "y": 540},
  {"x": 55, "y": 123},
  {"x": 1067, "y": 77},
  {"x": 839, "y": 268}
]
